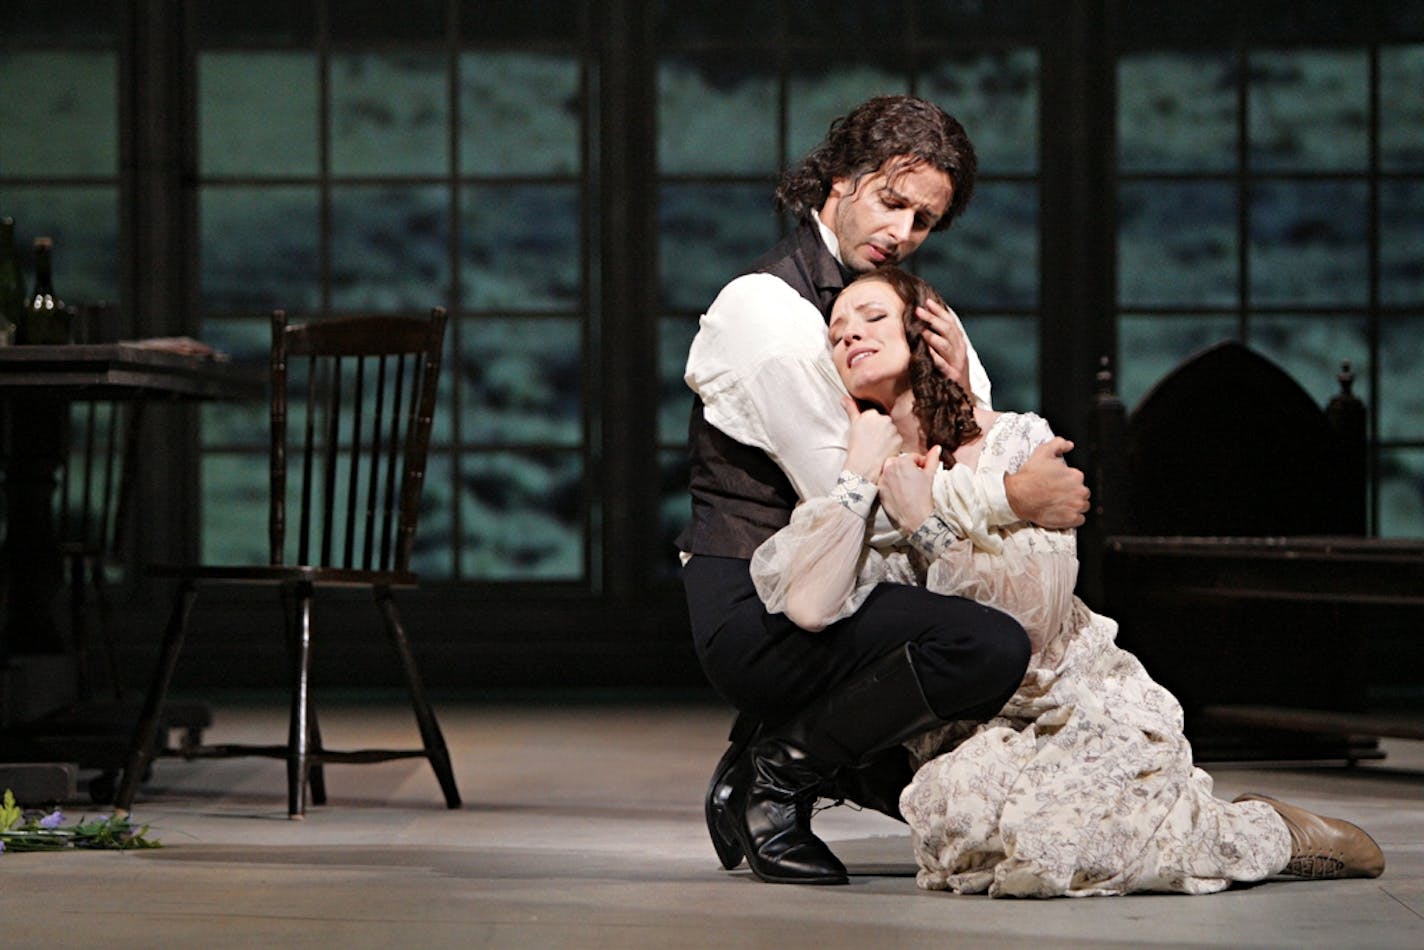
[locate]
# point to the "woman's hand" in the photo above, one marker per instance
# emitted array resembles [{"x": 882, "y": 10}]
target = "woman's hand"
[
  {"x": 906, "y": 488},
  {"x": 949, "y": 348},
  {"x": 873, "y": 439}
]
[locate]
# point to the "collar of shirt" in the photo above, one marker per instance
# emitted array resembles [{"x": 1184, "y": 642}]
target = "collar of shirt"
[{"x": 829, "y": 237}]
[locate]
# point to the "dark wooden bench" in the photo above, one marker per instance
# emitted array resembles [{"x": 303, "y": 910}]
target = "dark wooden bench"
[{"x": 1229, "y": 541}]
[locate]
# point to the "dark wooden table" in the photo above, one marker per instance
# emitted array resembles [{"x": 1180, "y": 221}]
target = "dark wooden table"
[
  {"x": 122, "y": 371},
  {"x": 37, "y": 386}
]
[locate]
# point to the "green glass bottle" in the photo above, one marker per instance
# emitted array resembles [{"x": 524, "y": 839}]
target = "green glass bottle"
[
  {"x": 45, "y": 319},
  {"x": 12, "y": 283}
]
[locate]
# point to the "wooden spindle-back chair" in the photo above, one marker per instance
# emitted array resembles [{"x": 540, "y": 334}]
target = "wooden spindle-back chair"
[{"x": 352, "y": 402}]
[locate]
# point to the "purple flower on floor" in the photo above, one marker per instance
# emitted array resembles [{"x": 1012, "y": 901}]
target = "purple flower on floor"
[{"x": 21, "y": 831}]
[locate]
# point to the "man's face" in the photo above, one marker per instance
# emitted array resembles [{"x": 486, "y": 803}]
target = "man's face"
[{"x": 884, "y": 217}]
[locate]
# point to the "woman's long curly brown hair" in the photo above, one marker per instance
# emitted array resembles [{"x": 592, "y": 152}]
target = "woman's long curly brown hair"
[
  {"x": 944, "y": 409},
  {"x": 865, "y": 139}
]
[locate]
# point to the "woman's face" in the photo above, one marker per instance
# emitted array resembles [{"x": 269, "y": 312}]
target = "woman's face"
[{"x": 868, "y": 341}]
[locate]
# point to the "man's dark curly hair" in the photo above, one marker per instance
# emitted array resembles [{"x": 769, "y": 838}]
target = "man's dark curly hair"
[
  {"x": 944, "y": 410},
  {"x": 871, "y": 135}
]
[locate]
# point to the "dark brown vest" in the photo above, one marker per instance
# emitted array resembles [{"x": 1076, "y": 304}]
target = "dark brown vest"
[{"x": 739, "y": 495}]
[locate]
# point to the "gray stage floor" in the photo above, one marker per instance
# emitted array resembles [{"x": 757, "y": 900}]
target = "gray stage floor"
[{"x": 582, "y": 827}]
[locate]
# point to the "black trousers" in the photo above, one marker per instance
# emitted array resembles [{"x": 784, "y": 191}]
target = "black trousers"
[{"x": 969, "y": 658}]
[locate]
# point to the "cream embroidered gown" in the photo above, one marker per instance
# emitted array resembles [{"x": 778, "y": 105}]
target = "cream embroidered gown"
[{"x": 1084, "y": 784}]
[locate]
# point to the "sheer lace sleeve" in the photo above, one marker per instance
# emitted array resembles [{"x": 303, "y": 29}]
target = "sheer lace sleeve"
[
  {"x": 1031, "y": 583},
  {"x": 1025, "y": 571},
  {"x": 819, "y": 569}
]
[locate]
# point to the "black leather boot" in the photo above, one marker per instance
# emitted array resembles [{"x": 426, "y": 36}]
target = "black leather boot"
[
  {"x": 776, "y": 782},
  {"x": 774, "y": 789},
  {"x": 719, "y": 824},
  {"x": 877, "y": 783}
]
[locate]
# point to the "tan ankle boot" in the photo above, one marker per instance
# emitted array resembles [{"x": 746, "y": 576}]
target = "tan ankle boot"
[{"x": 1324, "y": 847}]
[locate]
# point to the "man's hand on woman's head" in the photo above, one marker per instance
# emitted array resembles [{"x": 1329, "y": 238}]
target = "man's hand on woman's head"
[
  {"x": 1046, "y": 491},
  {"x": 907, "y": 488},
  {"x": 873, "y": 439},
  {"x": 949, "y": 348}
]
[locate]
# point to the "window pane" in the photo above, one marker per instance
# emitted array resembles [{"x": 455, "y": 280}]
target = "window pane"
[
  {"x": 674, "y": 339},
  {"x": 1176, "y": 112},
  {"x": 1308, "y": 110},
  {"x": 521, "y": 247},
  {"x": 708, "y": 234},
  {"x": 1401, "y": 242},
  {"x": 1401, "y": 382},
  {"x": 389, "y": 115},
  {"x": 1401, "y": 493},
  {"x": 1402, "y": 108},
  {"x": 257, "y": 113},
  {"x": 1008, "y": 348},
  {"x": 390, "y": 248},
  {"x": 1311, "y": 348},
  {"x": 824, "y": 91},
  {"x": 84, "y": 223},
  {"x": 717, "y": 113},
  {"x": 521, "y": 381},
  {"x": 1150, "y": 347},
  {"x": 523, "y": 516},
  {"x": 235, "y": 508},
  {"x": 59, "y": 115},
  {"x": 989, "y": 257},
  {"x": 1309, "y": 243},
  {"x": 444, "y": 425},
  {"x": 433, "y": 557},
  {"x": 246, "y": 341},
  {"x": 521, "y": 114},
  {"x": 259, "y": 248},
  {"x": 995, "y": 97},
  {"x": 1177, "y": 244}
]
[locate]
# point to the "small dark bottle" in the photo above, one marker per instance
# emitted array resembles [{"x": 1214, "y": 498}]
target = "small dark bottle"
[{"x": 45, "y": 319}]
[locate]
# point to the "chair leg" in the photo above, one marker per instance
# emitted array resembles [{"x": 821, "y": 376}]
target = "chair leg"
[
  {"x": 299, "y": 731},
  {"x": 430, "y": 734},
  {"x": 316, "y": 773},
  {"x": 146, "y": 732}
]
